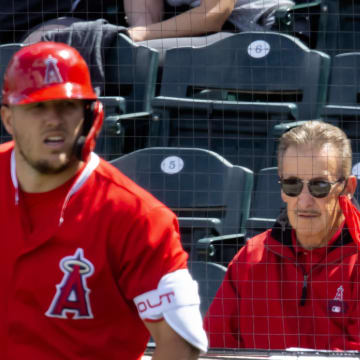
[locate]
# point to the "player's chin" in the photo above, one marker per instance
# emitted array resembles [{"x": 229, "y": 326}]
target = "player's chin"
[{"x": 55, "y": 165}]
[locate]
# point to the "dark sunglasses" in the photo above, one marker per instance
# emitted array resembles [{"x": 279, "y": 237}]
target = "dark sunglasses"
[{"x": 317, "y": 188}]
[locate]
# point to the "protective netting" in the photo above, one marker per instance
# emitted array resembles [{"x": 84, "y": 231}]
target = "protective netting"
[{"x": 197, "y": 121}]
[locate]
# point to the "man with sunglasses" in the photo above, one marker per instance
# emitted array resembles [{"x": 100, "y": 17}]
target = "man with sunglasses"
[{"x": 298, "y": 284}]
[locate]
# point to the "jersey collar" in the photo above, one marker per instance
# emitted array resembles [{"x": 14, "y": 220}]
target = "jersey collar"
[{"x": 79, "y": 182}]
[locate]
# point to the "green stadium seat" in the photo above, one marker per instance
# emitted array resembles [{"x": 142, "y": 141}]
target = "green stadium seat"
[
  {"x": 306, "y": 20},
  {"x": 356, "y": 172},
  {"x": 342, "y": 29},
  {"x": 266, "y": 205},
  {"x": 266, "y": 202},
  {"x": 343, "y": 104},
  {"x": 219, "y": 249},
  {"x": 209, "y": 277},
  {"x": 209, "y": 195},
  {"x": 130, "y": 75},
  {"x": 227, "y": 96},
  {"x": 6, "y": 52},
  {"x": 131, "y": 72}
]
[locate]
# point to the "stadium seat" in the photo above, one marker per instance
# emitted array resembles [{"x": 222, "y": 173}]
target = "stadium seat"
[
  {"x": 219, "y": 249},
  {"x": 6, "y": 52},
  {"x": 227, "y": 96},
  {"x": 131, "y": 73},
  {"x": 356, "y": 172},
  {"x": 110, "y": 142},
  {"x": 343, "y": 104},
  {"x": 306, "y": 20},
  {"x": 342, "y": 29},
  {"x": 209, "y": 277},
  {"x": 266, "y": 202},
  {"x": 209, "y": 195},
  {"x": 266, "y": 205}
]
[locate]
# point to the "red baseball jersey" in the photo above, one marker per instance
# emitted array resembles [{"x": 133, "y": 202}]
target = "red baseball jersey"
[{"x": 68, "y": 284}]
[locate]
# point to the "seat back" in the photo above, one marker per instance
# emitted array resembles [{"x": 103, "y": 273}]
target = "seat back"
[
  {"x": 209, "y": 277},
  {"x": 131, "y": 72},
  {"x": 226, "y": 97},
  {"x": 251, "y": 66},
  {"x": 266, "y": 202},
  {"x": 343, "y": 103},
  {"x": 306, "y": 20},
  {"x": 342, "y": 28},
  {"x": 195, "y": 183},
  {"x": 349, "y": 26},
  {"x": 356, "y": 172},
  {"x": 344, "y": 86},
  {"x": 6, "y": 52}
]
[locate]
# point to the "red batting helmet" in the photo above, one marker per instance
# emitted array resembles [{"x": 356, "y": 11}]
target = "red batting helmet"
[{"x": 47, "y": 71}]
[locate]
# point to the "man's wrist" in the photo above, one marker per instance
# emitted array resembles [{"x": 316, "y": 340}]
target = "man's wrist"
[{"x": 137, "y": 33}]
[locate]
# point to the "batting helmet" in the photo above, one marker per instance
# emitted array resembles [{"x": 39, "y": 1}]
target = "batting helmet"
[{"x": 47, "y": 71}]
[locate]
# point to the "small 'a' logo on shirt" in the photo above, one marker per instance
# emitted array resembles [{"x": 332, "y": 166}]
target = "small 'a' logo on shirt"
[
  {"x": 338, "y": 305},
  {"x": 52, "y": 72},
  {"x": 72, "y": 293}
]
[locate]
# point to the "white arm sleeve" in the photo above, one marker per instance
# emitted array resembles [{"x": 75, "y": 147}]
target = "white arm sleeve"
[{"x": 177, "y": 300}]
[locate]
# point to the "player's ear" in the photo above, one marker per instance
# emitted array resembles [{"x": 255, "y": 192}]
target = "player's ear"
[{"x": 6, "y": 118}]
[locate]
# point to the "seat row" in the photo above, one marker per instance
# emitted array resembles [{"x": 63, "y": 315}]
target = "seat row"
[
  {"x": 226, "y": 97},
  {"x": 219, "y": 205},
  {"x": 212, "y": 198},
  {"x": 332, "y": 26},
  {"x": 234, "y": 97}
]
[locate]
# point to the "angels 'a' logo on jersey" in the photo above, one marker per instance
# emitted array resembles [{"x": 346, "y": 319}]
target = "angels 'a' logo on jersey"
[
  {"x": 338, "y": 305},
  {"x": 72, "y": 294},
  {"x": 52, "y": 72}
]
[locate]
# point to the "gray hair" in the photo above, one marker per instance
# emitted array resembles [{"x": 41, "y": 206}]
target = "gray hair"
[{"x": 318, "y": 133}]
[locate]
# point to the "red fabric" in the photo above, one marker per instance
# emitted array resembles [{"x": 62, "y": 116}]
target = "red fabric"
[
  {"x": 129, "y": 240},
  {"x": 352, "y": 216},
  {"x": 309, "y": 258},
  {"x": 258, "y": 303},
  {"x": 37, "y": 210}
]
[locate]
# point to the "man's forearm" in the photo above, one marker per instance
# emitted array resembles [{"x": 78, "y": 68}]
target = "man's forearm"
[
  {"x": 169, "y": 344},
  {"x": 182, "y": 25},
  {"x": 197, "y": 21},
  {"x": 143, "y": 12},
  {"x": 175, "y": 352}
]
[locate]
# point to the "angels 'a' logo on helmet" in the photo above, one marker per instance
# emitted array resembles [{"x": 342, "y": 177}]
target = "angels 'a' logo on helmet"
[
  {"x": 72, "y": 294},
  {"x": 52, "y": 72}
]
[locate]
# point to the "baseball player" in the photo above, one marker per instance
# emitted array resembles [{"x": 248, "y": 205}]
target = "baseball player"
[{"x": 90, "y": 262}]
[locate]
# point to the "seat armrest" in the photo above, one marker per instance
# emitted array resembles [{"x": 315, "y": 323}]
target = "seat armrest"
[
  {"x": 113, "y": 104},
  {"x": 198, "y": 222},
  {"x": 113, "y": 126},
  {"x": 256, "y": 225},
  {"x": 286, "y": 110},
  {"x": 219, "y": 249},
  {"x": 143, "y": 115},
  {"x": 284, "y": 16}
]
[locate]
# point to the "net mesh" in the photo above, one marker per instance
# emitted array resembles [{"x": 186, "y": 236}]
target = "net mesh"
[{"x": 197, "y": 121}]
